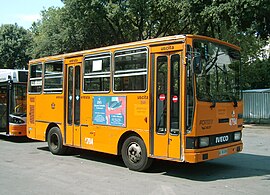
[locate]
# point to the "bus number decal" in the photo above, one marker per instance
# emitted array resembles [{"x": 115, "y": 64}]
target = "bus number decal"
[{"x": 89, "y": 141}]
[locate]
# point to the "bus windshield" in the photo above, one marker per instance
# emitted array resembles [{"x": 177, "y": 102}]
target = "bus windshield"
[
  {"x": 18, "y": 99},
  {"x": 218, "y": 78}
]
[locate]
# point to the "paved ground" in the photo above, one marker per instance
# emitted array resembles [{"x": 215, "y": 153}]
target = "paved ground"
[{"x": 27, "y": 167}]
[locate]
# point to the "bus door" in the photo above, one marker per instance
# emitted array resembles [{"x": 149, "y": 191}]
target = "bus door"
[
  {"x": 73, "y": 99},
  {"x": 166, "y": 106}
]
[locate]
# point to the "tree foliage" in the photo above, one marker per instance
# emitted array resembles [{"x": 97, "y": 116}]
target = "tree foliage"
[
  {"x": 256, "y": 75},
  {"x": 85, "y": 24},
  {"x": 49, "y": 34},
  {"x": 216, "y": 18},
  {"x": 14, "y": 44}
]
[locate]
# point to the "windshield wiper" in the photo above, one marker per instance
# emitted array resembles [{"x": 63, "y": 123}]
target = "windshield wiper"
[
  {"x": 214, "y": 101},
  {"x": 213, "y": 60},
  {"x": 213, "y": 104},
  {"x": 235, "y": 103}
]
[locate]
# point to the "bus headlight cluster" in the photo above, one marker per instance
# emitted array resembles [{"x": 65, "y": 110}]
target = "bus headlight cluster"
[
  {"x": 237, "y": 136},
  {"x": 203, "y": 142},
  {"x": 16, "y": 120}
]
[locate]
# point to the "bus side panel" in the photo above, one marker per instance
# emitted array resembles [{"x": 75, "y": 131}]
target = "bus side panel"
[
  {"x": 44, "y": 110},
  {"x": 41, "y": 131},
  {"x": 49, "y": 110},
  {"x": 31, "y": 109},
  {"x": 105, "y": 137},
  {"x": 87, "y": 132}
]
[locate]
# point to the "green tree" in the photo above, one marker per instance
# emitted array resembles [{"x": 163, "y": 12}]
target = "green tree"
[
  {"x": 242, "y": 22},
  {"x": 49, "y": 34},
  {"x": 256, "y": 74},
  {"x": 14, "y": 44},
  {"x": 220, "y": 18},
  {"x": 86, "y": 24}
]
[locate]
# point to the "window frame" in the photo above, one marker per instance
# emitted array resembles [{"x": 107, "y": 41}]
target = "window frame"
[
  {"x": 49, "y": 76},
  {"x": 236, "y": 83},
  {"x": 135, "y": 72},
  {"x": 97, "y": 74},
  {"x": 35, "y": 78}
]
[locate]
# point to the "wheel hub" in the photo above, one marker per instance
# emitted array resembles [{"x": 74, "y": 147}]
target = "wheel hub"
[
  {"x": 134, "y": 152},
  {"x": 54, "y": 141}
]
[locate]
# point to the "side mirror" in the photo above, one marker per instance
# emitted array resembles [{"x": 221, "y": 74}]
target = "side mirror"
[{"x": 197, "y": 64}]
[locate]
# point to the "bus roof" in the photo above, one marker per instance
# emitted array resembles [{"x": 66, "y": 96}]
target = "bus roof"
[
  {"x": 154, "y": 41},
  {"x": 12, "y": 73}
]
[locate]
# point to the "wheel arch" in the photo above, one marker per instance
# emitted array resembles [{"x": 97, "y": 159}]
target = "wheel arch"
[
  {"x": 51, "y": 125},
  {"x": 123, "y": 137}
]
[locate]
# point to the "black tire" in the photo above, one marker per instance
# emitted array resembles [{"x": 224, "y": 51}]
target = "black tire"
[
  {"x": 134, "y": 154},
  {"x": 55, "y": 141}
]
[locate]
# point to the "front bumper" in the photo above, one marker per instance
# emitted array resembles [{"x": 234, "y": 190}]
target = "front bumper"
[{"x": 200, "y": 155}]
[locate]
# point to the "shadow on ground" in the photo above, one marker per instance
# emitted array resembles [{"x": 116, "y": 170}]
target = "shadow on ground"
[
  {"x": 91, "y": 155},
  {"x": 239, "y": 165},
  {"x": 16, "y": 139},
  {"x": 236, "y": 166}
]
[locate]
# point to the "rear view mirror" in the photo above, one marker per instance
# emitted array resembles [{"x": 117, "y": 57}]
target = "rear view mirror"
[{"x": 197, "y": 64}]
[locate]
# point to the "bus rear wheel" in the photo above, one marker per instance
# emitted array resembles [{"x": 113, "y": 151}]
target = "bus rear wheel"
[
  {"x": 55, "y": 141},
  {"x": 134, "y": 154}
]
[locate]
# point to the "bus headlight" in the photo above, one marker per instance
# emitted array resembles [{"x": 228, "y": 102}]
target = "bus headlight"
[
  {"x": 16, "y": 120},
  {"x": 203, "y": 142},
  {"x": 237, "y": 136}
]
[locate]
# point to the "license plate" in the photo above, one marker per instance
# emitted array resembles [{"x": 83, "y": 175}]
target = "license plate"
[{"x": 223, "y": 152}]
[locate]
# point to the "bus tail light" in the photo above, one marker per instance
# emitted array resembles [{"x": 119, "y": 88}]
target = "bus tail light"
[
  {"x": 203, "y": 142},
  {"x": 237, "y": 136}
]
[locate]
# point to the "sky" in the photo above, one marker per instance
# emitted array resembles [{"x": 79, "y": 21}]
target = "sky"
[{"x": 24, "y": 12}]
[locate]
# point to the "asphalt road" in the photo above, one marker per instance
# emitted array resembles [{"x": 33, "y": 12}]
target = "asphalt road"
[{"x": 27, "y": 167}]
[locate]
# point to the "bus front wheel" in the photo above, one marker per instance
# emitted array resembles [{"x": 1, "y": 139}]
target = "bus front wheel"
[
  {"x": 55, "y": 141},
  {"x": 134, "y": 154}
]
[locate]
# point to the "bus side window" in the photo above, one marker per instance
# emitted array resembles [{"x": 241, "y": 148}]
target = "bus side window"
[
  {"x": 53, "y": 79},
  {"x": 97, "y": 73},
  {"x": 130, "y": 71},
  {"x": 35, "y": 83}
]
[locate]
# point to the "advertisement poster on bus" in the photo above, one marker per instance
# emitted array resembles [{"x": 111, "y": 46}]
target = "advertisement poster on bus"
[{"x": 109, "y": 110}]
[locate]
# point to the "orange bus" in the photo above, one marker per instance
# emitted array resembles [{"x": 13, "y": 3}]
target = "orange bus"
[
  {"x": 13, "y": 102},
  {"x": 173, "y": 98}
]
